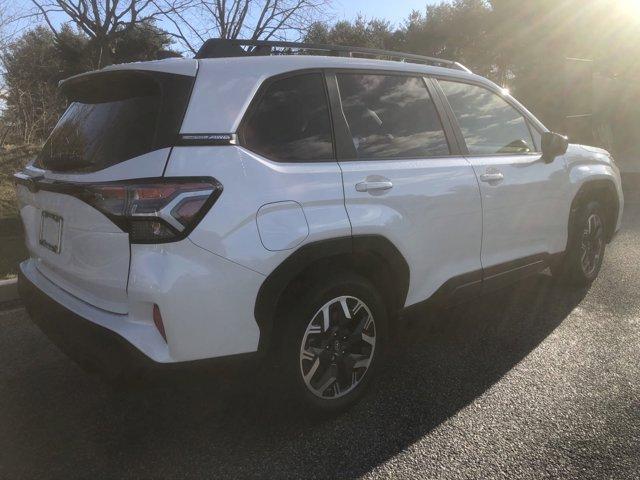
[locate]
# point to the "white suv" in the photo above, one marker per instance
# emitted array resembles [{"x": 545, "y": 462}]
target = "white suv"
[{"x": 294, "y": 204}]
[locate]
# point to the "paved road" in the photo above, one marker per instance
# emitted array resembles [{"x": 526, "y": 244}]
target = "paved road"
[{"x": 534, "y": 382}]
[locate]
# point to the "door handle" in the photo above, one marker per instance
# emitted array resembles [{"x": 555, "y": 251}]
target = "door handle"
[
  {"x": 492, "y": 177},
  {"x": 373, "y": 186}
]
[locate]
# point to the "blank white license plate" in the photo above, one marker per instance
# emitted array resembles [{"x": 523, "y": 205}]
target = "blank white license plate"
[{"x": 51, "y": 231}]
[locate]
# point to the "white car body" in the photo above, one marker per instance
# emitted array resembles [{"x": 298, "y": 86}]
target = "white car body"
[{"x": 443, "y": 215}]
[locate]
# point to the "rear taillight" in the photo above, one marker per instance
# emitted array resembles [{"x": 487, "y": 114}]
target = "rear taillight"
[{"x": 153, "y": 211}]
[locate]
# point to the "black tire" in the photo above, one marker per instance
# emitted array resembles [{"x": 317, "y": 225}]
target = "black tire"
[
  {"x": 586, "y": 247},
  {"x": 336, "y": 350}
]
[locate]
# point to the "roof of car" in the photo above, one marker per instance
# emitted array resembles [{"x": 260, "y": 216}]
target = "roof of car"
[
  {"x": 237, "y": 79},
  {"x": 284, "y": 63},
  {"x": 276, "y": 64}
]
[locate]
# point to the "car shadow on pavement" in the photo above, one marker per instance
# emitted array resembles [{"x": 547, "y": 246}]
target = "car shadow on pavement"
[{"x": 235, "y": 422}]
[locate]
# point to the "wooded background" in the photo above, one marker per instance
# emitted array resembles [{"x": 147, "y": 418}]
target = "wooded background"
[{"x": 521, "y": 45}]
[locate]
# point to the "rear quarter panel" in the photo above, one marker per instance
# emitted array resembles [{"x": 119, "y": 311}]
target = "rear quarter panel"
[{"x": 249, "y": 181}]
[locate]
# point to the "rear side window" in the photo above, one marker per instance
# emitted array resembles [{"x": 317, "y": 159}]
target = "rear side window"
[
  {"x": 290, "y": 122},
  {"x": 391, "y": 116},
  {"x": 113, "y": 117},
  {"x": 489, "y": 124}
]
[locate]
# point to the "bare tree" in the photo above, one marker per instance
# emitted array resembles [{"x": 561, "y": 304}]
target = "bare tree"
[
  {"x": 252, "y": 19},
  {"x": 104, "y": 21},
  {"x": 6, "y": 18}
]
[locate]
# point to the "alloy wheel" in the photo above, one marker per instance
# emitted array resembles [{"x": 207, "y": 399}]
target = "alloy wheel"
[
  {"x": 592, "y": 244},
  {"x": 337, "y": 347}
]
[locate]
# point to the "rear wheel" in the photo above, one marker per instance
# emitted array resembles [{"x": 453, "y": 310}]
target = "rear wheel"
[
  {"x": 334, "y": 341},
  {"x": 587, "y": 244}
]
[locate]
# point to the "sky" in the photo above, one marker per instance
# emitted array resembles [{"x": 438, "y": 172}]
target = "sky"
[{"x": 396, "y": 11}]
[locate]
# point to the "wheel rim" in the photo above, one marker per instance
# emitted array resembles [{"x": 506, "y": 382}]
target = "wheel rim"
[
  {"x": 592, "y": 244},
  {"x": 337, "y": 347}
]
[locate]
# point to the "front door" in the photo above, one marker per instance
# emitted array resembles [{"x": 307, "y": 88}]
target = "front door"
[{"x": 524, "y": 205}]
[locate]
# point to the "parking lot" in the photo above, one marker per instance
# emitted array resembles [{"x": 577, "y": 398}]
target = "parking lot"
[{"x": 535, "y": 381}]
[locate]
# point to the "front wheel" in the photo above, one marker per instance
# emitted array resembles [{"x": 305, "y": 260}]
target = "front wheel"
[
  {"x": 587, "y": 243},
  {"x": 334, "y": 341}
]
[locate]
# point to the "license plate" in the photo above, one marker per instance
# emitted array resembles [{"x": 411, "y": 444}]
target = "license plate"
[{"x": 51, "y": 231}]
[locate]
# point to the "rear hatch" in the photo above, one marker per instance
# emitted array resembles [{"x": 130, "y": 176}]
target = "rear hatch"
[{"x": 119, "y": 126}]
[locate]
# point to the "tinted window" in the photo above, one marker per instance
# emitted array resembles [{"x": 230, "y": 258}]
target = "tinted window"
[
  {"x": 488, "y": 123},
  {"x": 115, "y": 116},
  {"x": 537, "y": 137},
  {"x": 93, "y": 136},
  {"x": 391, "y": 116},
  {"x": 291, "y": 121}
]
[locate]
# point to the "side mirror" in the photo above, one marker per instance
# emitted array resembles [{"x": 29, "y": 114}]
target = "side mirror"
[{"x": 553, "y": 145}]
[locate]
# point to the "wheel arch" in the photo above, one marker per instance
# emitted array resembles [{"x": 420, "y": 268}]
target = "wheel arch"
[
  {"x": 602, "y": 190},
  {"x": 372, "y": 256}
]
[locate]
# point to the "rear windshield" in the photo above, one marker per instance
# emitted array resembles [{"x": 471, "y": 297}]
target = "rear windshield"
[
  {"x": 111, "y": 119},
  {"x": 93, "y": 136}
]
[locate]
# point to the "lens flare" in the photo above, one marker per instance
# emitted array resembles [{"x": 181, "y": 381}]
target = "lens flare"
[{"x": 629, "y": 7}]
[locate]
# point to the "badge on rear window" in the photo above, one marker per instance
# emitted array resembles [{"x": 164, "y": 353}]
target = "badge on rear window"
[{"x": 51, "y": 231}]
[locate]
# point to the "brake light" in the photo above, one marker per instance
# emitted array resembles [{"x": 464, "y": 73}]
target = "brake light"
[{"x": 154, "y": 211}]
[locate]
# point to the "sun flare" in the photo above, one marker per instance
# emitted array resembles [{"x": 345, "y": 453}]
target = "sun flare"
[{"x": 628, "y": 7}]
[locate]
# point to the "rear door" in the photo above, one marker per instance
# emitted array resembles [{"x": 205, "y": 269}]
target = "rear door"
[
  {"x": 404, "y": 180},
  {"x": 118, "y": 127},
  {"x": 523, "y": 198}
]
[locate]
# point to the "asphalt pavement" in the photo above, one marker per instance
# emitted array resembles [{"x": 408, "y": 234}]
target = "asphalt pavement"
[{"x": 536, "y": 381}]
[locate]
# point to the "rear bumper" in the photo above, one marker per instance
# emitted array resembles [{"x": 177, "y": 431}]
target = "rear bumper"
[
  {"x": 82, "y": 330},
  {"x": 206, "y": 303},
  {"x": 94, "y": 346},
  {"x": 89, "y": 344}
]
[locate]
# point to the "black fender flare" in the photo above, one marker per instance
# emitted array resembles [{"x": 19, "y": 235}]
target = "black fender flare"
[{"x": 277, "y": 282}]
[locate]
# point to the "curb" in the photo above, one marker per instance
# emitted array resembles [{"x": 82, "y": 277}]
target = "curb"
[{"x": 8, "y": 290}]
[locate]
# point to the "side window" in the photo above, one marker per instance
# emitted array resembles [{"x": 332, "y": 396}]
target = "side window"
[
  {"x": 488, "y": 123},
  {"x": 391, "y": 116},
  {"x": 291, "y": 121},
  {"x": 537, "y": 137}
]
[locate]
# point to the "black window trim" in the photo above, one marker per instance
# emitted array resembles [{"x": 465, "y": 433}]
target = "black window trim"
[
  {"x": 259, "y": 95},
  {"x": 344, "y": 147},
  {"x": 457, "y": 146},
  {"x": 530, "y": 121}
]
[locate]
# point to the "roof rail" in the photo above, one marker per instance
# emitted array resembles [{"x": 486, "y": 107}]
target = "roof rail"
[{"x": 222, "y": 47}]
